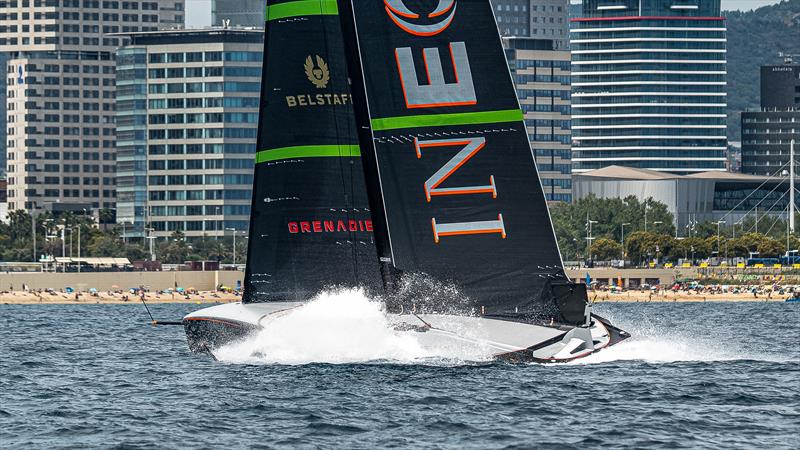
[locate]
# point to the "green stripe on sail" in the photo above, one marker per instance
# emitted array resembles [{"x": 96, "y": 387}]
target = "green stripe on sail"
[
  {"x": 308, "y": 151},
  {"x": 438, "y": 120},
  {"x": 302, "y": 8}
]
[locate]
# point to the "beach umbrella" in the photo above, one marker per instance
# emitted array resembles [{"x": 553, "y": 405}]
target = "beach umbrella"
[
  {"x": 180, "y": 289},
  {"x": 93, "y": 290},
  {"x": 69, "y": 290}
]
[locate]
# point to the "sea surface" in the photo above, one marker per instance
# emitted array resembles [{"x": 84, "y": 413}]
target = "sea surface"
[{"x": 695, "y": 375}]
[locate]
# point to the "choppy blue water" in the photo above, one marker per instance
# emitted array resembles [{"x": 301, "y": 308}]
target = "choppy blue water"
[{"x": 695, "y": 375}]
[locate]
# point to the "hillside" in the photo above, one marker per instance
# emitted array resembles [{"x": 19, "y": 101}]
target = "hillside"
[{"x": 754, "y": 39}]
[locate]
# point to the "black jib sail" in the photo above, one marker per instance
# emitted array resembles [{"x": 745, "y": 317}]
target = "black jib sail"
[
  {"x": 440, "y": 123},
  {"x": 310, "y": 225}
]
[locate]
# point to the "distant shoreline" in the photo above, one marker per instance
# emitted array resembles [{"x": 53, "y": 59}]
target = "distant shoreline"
[
  {"x": 682, "y": 297},
  {"x": 113, "y": 298},
  {"x": 210, "y": 297}
]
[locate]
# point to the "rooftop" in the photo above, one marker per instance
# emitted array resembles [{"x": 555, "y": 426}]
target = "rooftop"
[
  {"x": 195, "y": 35},
  {"x": 634, "y": 174}
]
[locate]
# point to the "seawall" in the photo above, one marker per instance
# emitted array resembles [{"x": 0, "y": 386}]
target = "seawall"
[{"x": 104, "y": 281}]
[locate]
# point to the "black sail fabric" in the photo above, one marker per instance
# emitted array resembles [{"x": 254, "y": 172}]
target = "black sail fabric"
[
  {"x": 462, "y": 197},
  {"x": 310, "y": 225}
]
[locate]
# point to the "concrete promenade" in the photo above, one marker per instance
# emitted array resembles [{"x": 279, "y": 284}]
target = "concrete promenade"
[
  {"x": 209, "y": 280},
  {"x": 633, "y": 277},
  {"x": 104, "y": 281}
]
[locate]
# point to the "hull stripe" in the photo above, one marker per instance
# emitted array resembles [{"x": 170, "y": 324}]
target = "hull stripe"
[
  {"x": 308, "y": 151},
  {"x": 440, "y": 120},
  {"x": 302, "y": 8}
]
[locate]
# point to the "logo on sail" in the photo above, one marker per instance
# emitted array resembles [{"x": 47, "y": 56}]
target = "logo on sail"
[
  {"x": 319, "y": 75},
  {"x": 437, "y": 93},
  {"x": 401, "y": 14}
]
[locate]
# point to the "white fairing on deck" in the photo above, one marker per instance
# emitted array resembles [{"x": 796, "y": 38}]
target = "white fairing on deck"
[
  {"x": 489, "y": 337},
  {"x": 250, "y": 313}
]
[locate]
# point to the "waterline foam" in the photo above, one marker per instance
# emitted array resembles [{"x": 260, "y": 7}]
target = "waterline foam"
[{"x": 339, "y": 327}]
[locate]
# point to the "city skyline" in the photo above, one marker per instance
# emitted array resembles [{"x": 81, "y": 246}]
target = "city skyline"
[
  {"x": 198, "y": 12},
  {"x": 727, "y": 5}
]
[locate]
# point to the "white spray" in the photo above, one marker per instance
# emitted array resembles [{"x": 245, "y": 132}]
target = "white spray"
[{"x": 339, "y": 326}]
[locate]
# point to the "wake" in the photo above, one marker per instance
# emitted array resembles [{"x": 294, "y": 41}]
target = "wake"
[
  {"x": 344, "y": 326},
  {"x": 655, "y": 342},
  {"x": 341, "y": 327}
]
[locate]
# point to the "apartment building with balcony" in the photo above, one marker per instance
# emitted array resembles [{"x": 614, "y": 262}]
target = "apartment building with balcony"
[
  {"x": 187, "y": 119},
  {"x": 61, "y": 95}
]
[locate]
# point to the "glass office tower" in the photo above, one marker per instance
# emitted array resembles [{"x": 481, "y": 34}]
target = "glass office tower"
[
  {"x": 648, "y": 85},
  {"x": 187, "y": 118}
]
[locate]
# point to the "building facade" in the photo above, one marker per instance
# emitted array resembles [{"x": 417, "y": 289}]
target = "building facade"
[
  {"x": 61, "y": 95},
  {"x": 540, "y": 19},
  {"x": 3, "y": 106},
  {"x": 780, "y": 85},
  {"x": 187, "y": 119},
  {"x": 768, "y": 131},
  {"x": 240, "y": 13},
  {"x": 648, "y": 85},
  {"x": 695, "y": 198},
  {"x": 542, "y": 79}
]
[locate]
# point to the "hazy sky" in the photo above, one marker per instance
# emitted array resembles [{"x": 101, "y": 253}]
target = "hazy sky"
[
  {"x": 746, "y": 4},
  {"x": 198, "y": 12}
]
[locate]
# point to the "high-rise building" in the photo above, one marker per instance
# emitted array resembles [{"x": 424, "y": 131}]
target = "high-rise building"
[
  {"x": 542, "y": 79},
  {"x": 540, "y": 19},
  {"x": 187, "y": 118},
  {"x": 240, "y": 13},
  {"x": 768, "y": 131},
  {"x": 648, "y": 85},
  {"x": 61, "y": 95},
  {"x": 3, "y": 69},
  {"x": 512, "y": 16},
  {"x": 780, "y": 85}
]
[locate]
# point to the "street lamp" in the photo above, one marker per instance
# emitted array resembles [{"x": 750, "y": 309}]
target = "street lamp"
[
  {"x": 589, "y": 237},
  {"x": 577, "y": 258},
  {"x": 151, "y": 238},
  {"x": 234, "y": 244},
  {"x": 623, "y": 241},
  {"x": 718, "y": 224}
]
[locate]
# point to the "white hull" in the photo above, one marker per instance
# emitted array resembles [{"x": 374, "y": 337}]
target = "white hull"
[{"x": 213, "y": 327}]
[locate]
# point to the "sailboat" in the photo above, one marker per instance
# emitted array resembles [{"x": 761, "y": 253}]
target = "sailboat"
[{"x": 393, "y": 156}]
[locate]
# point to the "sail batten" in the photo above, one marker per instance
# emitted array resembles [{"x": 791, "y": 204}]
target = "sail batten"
[
  {"x": 299, "y": 8},
  {"x": 445, "y": 119},
  {"x": 308, "y": 151}
]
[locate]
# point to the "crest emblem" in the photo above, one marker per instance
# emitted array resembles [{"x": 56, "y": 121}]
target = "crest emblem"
[{"x": 319, "y": 75}]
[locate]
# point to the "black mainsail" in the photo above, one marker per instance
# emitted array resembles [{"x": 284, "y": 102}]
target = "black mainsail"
[
  {"x": 310, "y": 225},
  {"x": 431, "y": 136},
  {"x": 447, "y": 157}
]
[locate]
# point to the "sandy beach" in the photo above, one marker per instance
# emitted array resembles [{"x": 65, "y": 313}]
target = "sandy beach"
[
  {"x": 684, "y": 296},
  {"x": 599, "y": 296},
  {"x": 63, "y": 298}
]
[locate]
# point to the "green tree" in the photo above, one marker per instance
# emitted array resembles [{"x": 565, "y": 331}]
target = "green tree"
[
  {"x": 106, "y": 245},
  {"x": 135, "y": 252},
  {"x": 605, "y": 249},
  {"x": 570, "y": 220}
]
